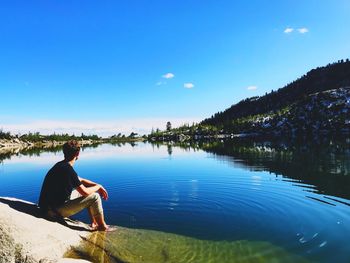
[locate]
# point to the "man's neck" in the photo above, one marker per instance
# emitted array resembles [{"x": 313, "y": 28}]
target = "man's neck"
[{"x": 71, "y": 162}]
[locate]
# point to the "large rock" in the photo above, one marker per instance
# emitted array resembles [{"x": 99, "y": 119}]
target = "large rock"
[{"x": 27, "y": 237}]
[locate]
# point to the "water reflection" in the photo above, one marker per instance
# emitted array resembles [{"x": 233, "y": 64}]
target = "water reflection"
[
  {"x": 170, "y": 149},
  {"x": 10, "y": 153},
  {"x": 325, "y": 165},
  {"x": 14, "y": 154},
  {"x": 101, "y": 151},
  {"x": 264, "y": 192}
]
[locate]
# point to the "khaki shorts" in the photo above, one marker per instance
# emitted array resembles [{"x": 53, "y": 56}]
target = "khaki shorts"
[{"x": 78, "y": 202}]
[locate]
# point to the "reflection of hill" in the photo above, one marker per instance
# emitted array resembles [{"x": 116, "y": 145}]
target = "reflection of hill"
[{"x": 324, "y": 165}]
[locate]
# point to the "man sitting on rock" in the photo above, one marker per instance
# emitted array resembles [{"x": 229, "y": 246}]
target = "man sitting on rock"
[{"x": 55, "y": 197}]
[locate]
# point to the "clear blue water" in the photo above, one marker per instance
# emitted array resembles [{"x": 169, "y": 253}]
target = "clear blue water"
[{"x": 216, "y": 194}]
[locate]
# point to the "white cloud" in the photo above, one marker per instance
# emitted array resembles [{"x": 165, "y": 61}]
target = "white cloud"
[
  {"x": 303, "y": 30},
  {"x": 102, "y": 128},
  {"x": 188, "y": 85},
  {"x": 288, "y": 30},
  {"x": 168, "y": 75},
  {"x": 159, "y": 83},
  {"x": 252, "y": 88}
]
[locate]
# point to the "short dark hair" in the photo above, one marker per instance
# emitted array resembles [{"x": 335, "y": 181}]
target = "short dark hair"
[{"x": 70, "y": 149}]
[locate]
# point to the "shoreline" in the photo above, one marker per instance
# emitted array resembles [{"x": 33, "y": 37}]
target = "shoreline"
[{"x": 15, "y": 143}]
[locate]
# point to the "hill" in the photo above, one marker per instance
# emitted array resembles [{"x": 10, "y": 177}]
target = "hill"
[
  {"x": 326, "y": 112},
  {"x": 332, "y": 76},
  {"x": 316, "y": 104}
]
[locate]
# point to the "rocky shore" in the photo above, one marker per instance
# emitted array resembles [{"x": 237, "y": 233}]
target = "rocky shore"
[
  {"x": 27, "y": 237},
  {"x": 17, "y": 143}
]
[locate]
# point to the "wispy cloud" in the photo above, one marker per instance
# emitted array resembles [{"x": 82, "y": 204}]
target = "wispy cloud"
[
  {"x": 288, "y": 30},
  {"x": 159, "y": 83},
  {"x": 252, "y": 87},
  {"x": 188, "y": 85},
  {"x": 168, "y": 76},
  {"x": 303, "y": 30}
]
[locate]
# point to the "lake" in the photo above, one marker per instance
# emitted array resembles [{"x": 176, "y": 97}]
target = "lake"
[{"x": 223, "y": 201}]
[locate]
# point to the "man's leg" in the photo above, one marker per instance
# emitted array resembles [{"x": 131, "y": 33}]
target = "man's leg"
[
  {"x": 92, "y": 202},
  {"x": 93, "y": 220},
  {"x": 101, "y": 224}
]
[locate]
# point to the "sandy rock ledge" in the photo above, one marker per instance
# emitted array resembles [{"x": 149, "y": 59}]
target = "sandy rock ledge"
[{"x": 27, "y": 237}]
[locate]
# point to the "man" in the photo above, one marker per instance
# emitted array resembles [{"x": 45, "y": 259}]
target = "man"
[{"x": 61, "y": 180}]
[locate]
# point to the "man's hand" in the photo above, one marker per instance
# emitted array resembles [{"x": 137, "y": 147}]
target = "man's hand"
[{"x": 103, "y": 192}]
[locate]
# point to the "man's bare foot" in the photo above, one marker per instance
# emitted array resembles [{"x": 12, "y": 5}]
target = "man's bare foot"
[
  {"x": 94, "y": 225},
  {"x": 107, "y": 228}
]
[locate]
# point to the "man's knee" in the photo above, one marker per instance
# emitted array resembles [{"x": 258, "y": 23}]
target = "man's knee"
[{"x": 95, "y": 197}]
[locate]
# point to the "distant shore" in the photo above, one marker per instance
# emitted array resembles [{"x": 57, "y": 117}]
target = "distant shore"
[{"x": 16, "y": 143}]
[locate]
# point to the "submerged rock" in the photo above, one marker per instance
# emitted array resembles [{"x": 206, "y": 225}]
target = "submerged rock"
[{"x": 136, "y": 245}]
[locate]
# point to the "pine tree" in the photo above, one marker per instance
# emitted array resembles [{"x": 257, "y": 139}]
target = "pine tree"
[{"x": 168, "y": 126}]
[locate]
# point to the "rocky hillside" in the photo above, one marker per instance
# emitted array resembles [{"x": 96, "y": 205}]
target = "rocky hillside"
[
  {"x": 318, "y": 114},
  {"x": 318, "y": 103},
  {"x": 332, "y": 76},
  {"x": 326, "y": 112}
]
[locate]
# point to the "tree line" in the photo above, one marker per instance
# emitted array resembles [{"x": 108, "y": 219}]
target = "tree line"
[{"x": 38, "y": 137}]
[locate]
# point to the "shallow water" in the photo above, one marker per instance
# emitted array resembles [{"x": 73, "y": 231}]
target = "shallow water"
[
  {"x": 227, "y": 203},
  {"x": 135, "y": 245}
]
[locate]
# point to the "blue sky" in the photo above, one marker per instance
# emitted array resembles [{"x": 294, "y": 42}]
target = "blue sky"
[{"x": 117, "y": 66}]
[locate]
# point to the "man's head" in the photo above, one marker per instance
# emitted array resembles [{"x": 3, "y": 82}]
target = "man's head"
[{"x": 71, "y": 150}]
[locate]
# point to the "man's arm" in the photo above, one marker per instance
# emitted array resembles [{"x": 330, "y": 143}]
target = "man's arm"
[
  {"x": 88, "y": 187},
  {"x": 87, "y": 182}
]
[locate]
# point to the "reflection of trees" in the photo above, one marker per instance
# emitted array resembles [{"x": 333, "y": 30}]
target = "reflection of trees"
[
  {"x": 170, "y": 149},
  {"x": 7, "y": 153},
  {"x": 324, "y": 164}
]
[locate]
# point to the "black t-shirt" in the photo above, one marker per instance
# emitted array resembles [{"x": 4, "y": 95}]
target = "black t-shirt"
[{"x": 58, "y": 185}]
